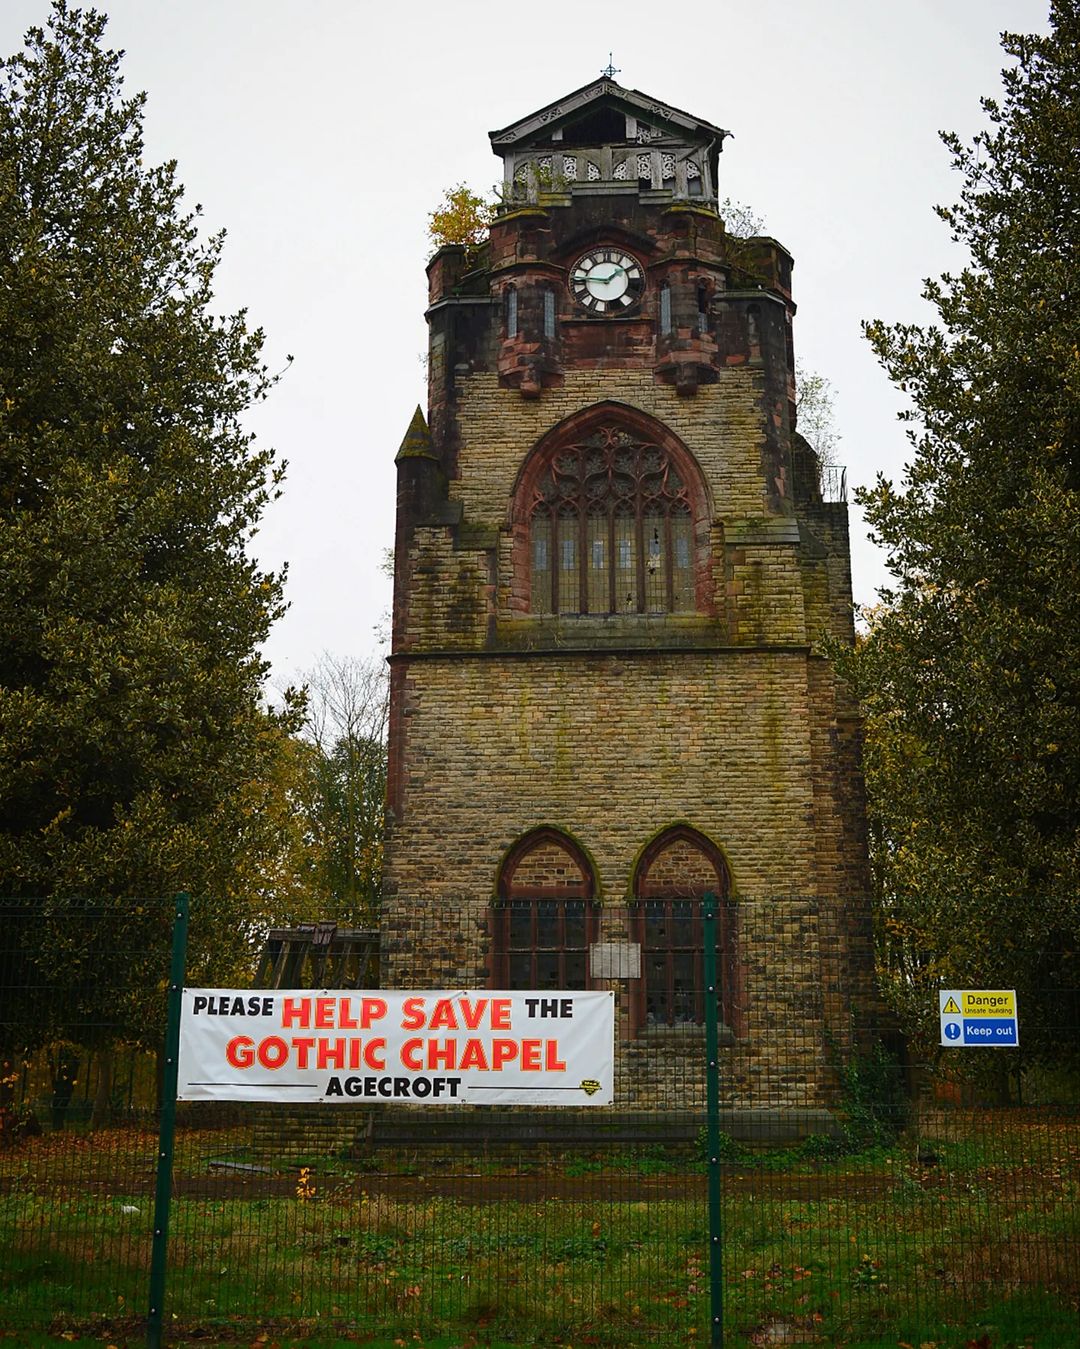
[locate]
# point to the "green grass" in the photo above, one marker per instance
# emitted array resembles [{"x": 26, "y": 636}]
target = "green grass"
[
  {"x": 30, "y": 1339},
  {"x": 874, "y": 1249}
]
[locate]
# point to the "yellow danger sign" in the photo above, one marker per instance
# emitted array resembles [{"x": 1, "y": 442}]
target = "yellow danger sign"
[
  {"x": 978, "y": 1016},
  {"x": 986, "y": 1002}
]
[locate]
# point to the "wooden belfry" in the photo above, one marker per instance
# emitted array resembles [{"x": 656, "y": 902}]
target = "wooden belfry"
[{"x": 319, "y": 955}]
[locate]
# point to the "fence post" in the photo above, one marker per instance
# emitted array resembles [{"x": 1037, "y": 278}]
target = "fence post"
[
  {"x": 167, "y": 1131},
  {"x": 712, "y": 1103}
]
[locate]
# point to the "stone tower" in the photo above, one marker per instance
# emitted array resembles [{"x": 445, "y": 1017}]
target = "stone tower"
[{"x": 614, "y": 559}]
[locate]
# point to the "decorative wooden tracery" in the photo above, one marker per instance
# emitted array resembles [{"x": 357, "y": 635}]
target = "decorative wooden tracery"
[
  {"x": 611, "y": 527},
  {"x": 319, "y": 955}
]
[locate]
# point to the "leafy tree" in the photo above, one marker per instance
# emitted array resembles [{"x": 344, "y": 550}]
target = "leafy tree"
[
  {"x": 462, "y": 217},
  {"x": 136, "y": 756},
  {"x": 970, "y": 672},
  {"x": 343, "y": 747},
  {"x": 740, "y": 221},
  {"x": 815, "y": 413}
]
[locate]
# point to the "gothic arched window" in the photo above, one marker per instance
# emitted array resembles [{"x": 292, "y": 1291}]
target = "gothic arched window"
[
  {"x": 549, "y": 312},
  {"x": 544, "y": 914},
  {"x": 611, "y": 517},
  {"x": 673, "y": 875}
]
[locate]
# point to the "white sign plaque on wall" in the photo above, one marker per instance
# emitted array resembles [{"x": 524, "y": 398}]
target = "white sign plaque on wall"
[{"x": 615, "y": 960}]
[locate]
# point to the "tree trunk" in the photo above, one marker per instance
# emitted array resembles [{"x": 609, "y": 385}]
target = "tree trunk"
[
  {"x": 65, "y": 1072},
  {"x": 8, "y": 1077},
  {"x": 1002, "y": 1070},
  {"x": 103, "y": 1094}
]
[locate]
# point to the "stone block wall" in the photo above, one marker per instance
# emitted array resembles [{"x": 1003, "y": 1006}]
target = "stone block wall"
[
  {"x": 612, "y": 749},
  {"x": 778, "y": 1055},
  {"x": 612, "y": 727}
]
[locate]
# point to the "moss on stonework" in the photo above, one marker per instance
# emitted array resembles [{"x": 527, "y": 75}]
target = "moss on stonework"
[
  {"x": 646, "y": 632},
  {"x": 417, "y": 441},
  {"x": 476, "y": 538},
  {"x": 465, "y": 609},
  {"x": 572, "y": 838}
]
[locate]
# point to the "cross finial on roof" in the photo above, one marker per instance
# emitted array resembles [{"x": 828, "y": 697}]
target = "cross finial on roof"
[{"x": 610, "y": 71}]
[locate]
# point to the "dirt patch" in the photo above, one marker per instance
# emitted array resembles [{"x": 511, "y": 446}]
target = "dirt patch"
[{"x": 476, "y": 1188}]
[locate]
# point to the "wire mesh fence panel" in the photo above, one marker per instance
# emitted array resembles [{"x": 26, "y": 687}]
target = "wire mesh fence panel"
[
  {"x": 874, "y": 1190},
  {"x": 81, "y": 1016}
]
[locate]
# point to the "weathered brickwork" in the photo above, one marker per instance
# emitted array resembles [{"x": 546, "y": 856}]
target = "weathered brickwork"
[
  {"x": 547, "y": 867},
  {"x": 719, "y": 721},
  {"x": 612, "y": 749},
  {"x": 609, "y": 748},
  {"x": 681, "y": 865},
  {"x": 774, "y": 1047},
  {"x": 720, "y": 426}
]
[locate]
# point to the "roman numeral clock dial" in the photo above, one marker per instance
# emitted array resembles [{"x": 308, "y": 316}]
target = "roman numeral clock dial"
[{"x": 607, "y": 281}]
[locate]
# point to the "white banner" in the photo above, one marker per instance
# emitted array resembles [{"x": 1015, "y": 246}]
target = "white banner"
[{"x": 397, "y": 1045}]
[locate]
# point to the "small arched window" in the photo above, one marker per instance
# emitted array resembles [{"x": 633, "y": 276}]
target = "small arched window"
[
  {"x": 544, "y": 915},
  {"x": 610, "y": 520},
  {"x": 665, "y": 309},
  {"x": 673, "y": 875},
  {"x": 703, "y": 309},
  {"x": 549, "y": 312},
  {"x": 511, "y": 300}
]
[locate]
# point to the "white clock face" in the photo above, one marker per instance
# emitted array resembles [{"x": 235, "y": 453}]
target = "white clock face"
[{"x": 607, "y": 281}]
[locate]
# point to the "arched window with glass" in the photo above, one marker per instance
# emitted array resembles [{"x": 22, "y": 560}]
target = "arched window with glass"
[
  {"x": 544, "y": 916},
  {"x": 612, "y": 517},
  {"x": 548, "y": 298},
  {"x": 673, "y": 875}
]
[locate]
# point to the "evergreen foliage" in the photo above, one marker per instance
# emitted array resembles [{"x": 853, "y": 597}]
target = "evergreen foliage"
[
  {"x": 136, "y": 756},
  {"x": 970, "y": 673}
]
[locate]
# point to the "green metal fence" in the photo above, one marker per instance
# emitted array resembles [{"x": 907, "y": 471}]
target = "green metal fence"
[{"x": 857, "y": 1199}]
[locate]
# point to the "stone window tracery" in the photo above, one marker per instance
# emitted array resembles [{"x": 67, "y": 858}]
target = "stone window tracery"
[{"x": 611, "y": 528}]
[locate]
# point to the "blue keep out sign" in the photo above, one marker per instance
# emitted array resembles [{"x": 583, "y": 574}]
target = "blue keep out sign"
[{"x": 978, "y": 1016}]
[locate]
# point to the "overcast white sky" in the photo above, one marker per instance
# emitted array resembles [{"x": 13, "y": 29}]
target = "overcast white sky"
[{"x": 320, "y": 133}]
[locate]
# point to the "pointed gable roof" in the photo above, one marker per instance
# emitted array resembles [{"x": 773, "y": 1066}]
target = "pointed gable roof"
[
  {"x": 417, "y": 442},
  {"x": 603, "y": 92}
]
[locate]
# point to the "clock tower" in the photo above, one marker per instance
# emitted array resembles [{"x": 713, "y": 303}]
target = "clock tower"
[{"x": 615, "y": 558}]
